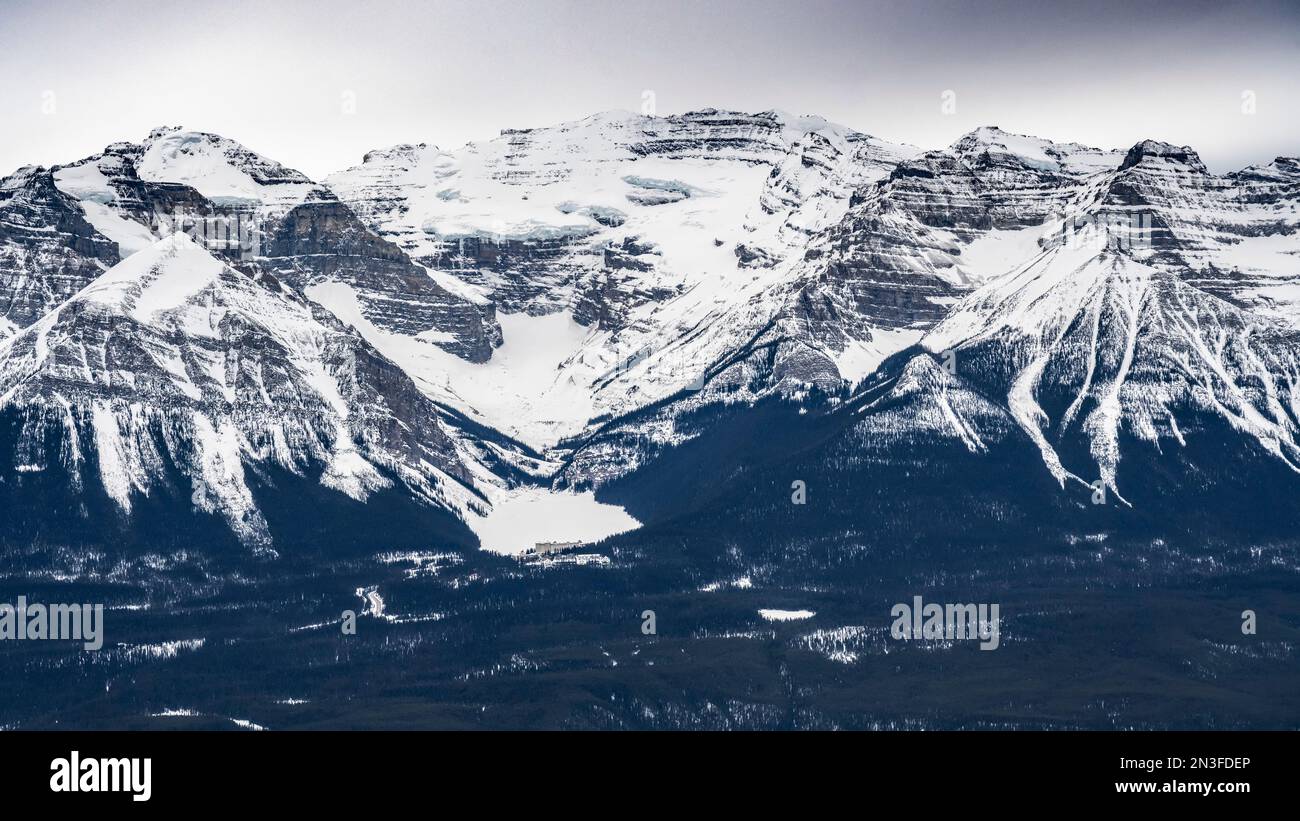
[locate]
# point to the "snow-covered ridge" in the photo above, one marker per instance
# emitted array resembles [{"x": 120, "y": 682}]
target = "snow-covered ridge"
[
  {"x": 999, "y": 256},
  {"x": 259, "y": 216},
  {"x": 530, "y": 180},
  {"x": 1127, "y": 350},
  {"x": 174, "y": 349},
  {"x": 992, "y": 145},
  {"x": 222, "y": 170},
  {"x": 650, "y": 232}
]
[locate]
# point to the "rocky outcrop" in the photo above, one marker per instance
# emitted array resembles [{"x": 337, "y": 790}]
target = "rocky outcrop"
[{"x": 48, "y": 250}]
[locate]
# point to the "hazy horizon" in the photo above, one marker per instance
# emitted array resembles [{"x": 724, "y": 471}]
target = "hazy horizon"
[{"x": 315, "y": 86}]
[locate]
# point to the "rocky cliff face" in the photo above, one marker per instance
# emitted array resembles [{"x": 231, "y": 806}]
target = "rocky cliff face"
[
  {"x": 1232, "y": 236},
  {"x": 914, "y": 243},
  {"x": 260, "y": 215},
  {"x": 172, "y": 363},
  {"x": 48, "y": 250},
  {"x": 524, "y": 215},
  {"x": 650, "y": 232}
]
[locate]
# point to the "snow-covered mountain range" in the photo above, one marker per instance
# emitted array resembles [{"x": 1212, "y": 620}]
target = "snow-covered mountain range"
[
  {"x": 630, "y": 252},
  {"x": 496, "y": 331}
]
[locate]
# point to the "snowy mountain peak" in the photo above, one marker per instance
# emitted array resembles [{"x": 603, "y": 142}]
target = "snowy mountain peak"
[
  {"x": 991, "y": 145},
  {"x": 1149, "y": 150},
  {"x": 162, "y": 131},
  {"x": 173, "y": 358},
  {"x": 401, "y": 152},
  {"x": 638, "y": 228},
  {"x": 159, "y": 278},
  {"x": 1280, "y": 170},
  {"x": 222, "y": 170},
  {"x": 20, "y": 177}
]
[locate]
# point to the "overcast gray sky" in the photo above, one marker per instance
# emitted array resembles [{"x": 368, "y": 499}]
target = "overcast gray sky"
[{"x": 278, "y": 76}]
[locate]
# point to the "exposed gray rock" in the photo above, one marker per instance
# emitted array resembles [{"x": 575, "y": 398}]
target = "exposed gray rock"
[{"x": 48, "y": 251}]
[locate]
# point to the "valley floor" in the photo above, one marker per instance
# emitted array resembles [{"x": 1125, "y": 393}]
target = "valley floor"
[{"x": 460, "y": 638}]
